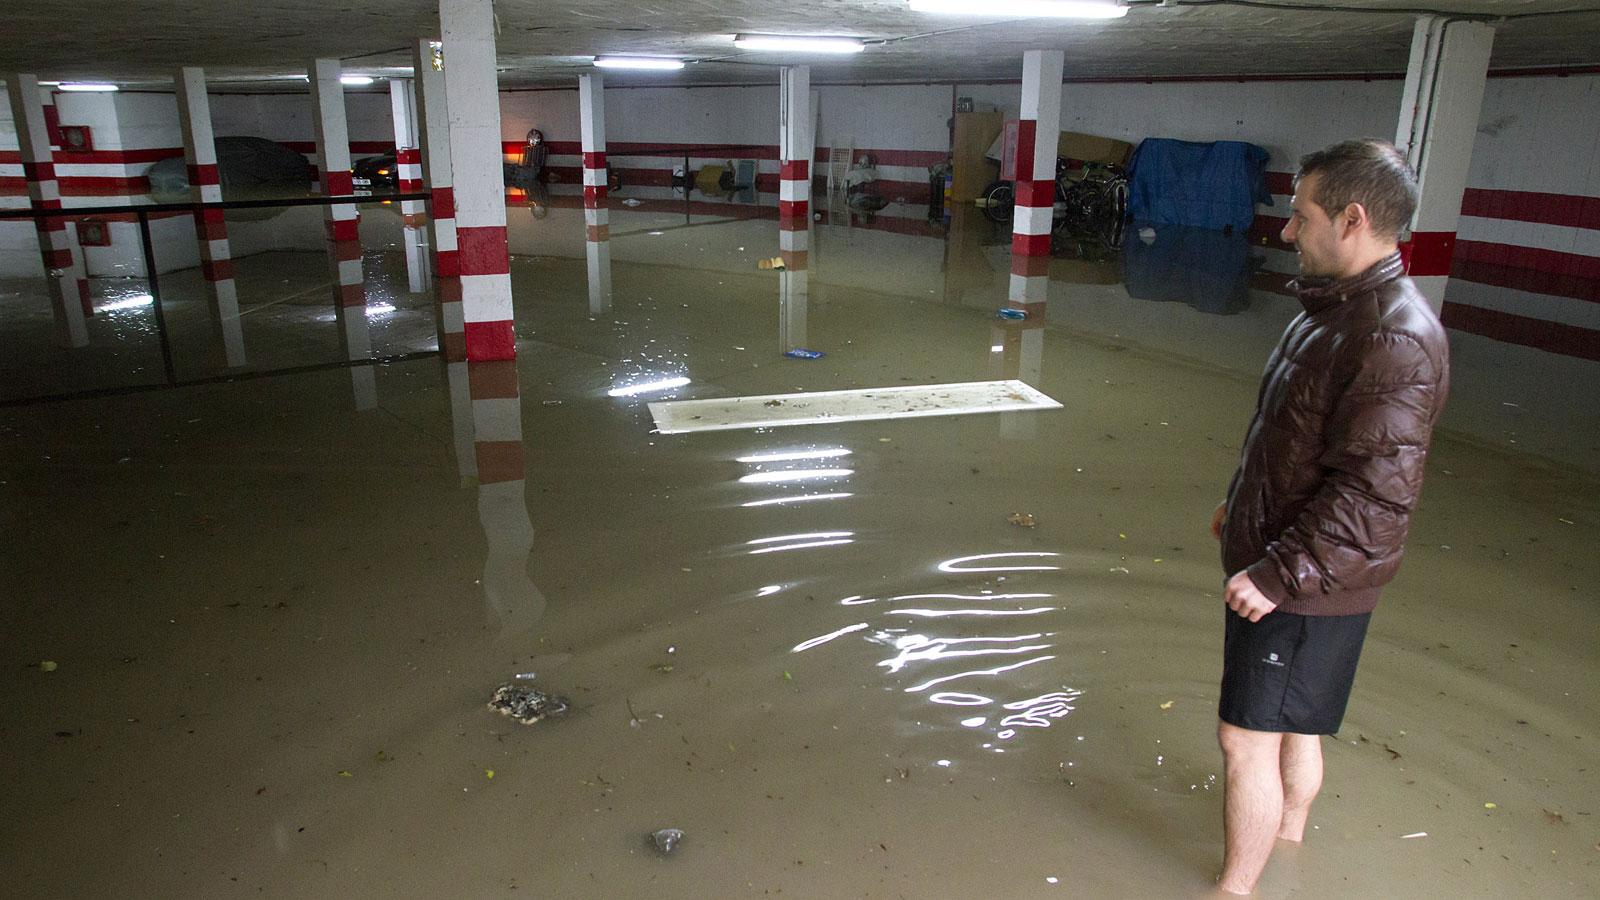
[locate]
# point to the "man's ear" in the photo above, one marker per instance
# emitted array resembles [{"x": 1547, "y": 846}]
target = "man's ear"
[{"x": 1356, "y": 218}]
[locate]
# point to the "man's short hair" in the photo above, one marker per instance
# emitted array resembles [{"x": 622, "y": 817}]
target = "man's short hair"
[{"x": 1370, "y": 172}]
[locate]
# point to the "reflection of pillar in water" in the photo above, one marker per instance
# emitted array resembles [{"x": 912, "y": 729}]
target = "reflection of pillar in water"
[
  {"x": 433, "y": 133},
  {"x": 80, "y": 265},
  {"x": 1037, "y": 137},
  {"x": 55, "y": 246},
  {"x": 408, "y": 180},
  {"x": 1016, "y": 351},
  {"x": 794, "y": 289},
  {"x": 211, "y": 227},
  {"x": 599, "y": 256},
  {"x": 461, "y": 422},
  {"x": 502, "y": 507},
  {"x": 355, "y": 341}
]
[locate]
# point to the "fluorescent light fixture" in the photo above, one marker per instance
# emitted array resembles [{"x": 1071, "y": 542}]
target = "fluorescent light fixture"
[
  {"x": 355, "y": 80},
  {"x": 664, "y": 384},
  {"x": 798, "y": 43},
  {"x": 1052, "y": 9},
  {"x": 637, "y": 62},
  {"x": 790, "y": 457},
  {"x": 86, "y": 86}
]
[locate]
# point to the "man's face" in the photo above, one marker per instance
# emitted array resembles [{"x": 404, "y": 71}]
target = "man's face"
[{"x": 1317, "y": 236}]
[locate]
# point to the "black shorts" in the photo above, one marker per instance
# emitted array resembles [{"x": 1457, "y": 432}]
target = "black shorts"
[{"x": 1289, "y": 673}]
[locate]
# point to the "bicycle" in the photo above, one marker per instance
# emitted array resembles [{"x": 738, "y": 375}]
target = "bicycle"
[{"x": 1093, "y": 195}]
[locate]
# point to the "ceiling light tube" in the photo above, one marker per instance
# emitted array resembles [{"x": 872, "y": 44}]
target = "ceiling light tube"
[
  {"x": 86, "y": 86},
  {"x": 1055, "y": 9},
  {"x": 355, "y": 80},
  {"x": 637, "y": 62},
  {"x": 798, "y": 43}
]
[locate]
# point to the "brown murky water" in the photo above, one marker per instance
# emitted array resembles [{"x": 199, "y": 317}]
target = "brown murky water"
[{"x": 275, "y": 618}]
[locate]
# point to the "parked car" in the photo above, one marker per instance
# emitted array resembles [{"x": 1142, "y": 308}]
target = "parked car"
[{"x": 376, "y": 173}]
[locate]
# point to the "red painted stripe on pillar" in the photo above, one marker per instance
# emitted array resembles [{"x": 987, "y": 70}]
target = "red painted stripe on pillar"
[
  {"x": 220, "y": 270},
  {"x": 39, "y": 171},
  {"x": 1030, "y": 266},
  {"x": 211, "y": 231},
  {"x": 1027, "y": 129},
  {"x": 83, "y": 297},
  {"x": 1428, "y": 252},
  {"x": 597, "y": 232},
  {"x": 448, "y": 289},
  {"x": 794, "y": 209},
  {"x": 337, "y": 183},
  {"x": 1030, "y": 245},
  {"x": 1036, "y": 193},
  {"x": 594, "y": 196},
  {"x": 58, "y": 259},
  {"x": 344, "y": 251},
  {"x": 444, "y": 203},
  {"x": 407, "y": 156},
  {"x": 353, "y": 294},
  {"x": 447, "y": 264},
  {"x": 483, "y": 250},
  {"x": 204, "y": 174},
  {"x": 595, "y": 160},
  {"x": 491, "y": 340},
  {"x": 343, "y": 230},
  {"x": 454, "y": 346},
  {"x": 795, "y": 170}
]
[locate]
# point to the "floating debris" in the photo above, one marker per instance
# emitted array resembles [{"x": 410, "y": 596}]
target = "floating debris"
[
  {"x": 1024, "y": 520},
  {"x": 666, "y": 839},
  {"x": 1414, "y": 834},
  {"x": 527, "y": 705}
]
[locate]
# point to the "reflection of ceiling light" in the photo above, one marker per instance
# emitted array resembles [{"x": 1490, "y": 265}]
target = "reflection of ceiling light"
[
  {"x": 662, "y": 385},
  {"x": 132, "y": 301},
  {"x": 382, "y": 307},
  {"x": 799, "y": 454},
  {"x": 87, "y": 86},
  {"x": 637, "y": 62},
  {"x": 355, "y": 80},
  {"x": 796, "y": 43},
  {"x": 801, "y": 537},
  {"x": 769, "y": 590},
  {"x": 801, "y": 546},
  {"x": 1056, "y": 9},
  {"x": 798, "y": 498},
  {"x": 795, "y": 475},
  {"x": 959, "y": 563},
  {"x": 823, "y": 639}
]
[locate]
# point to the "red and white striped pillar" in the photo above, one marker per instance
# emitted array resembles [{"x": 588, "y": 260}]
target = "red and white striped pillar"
[
  {"x": 596, "y": 215},
  {"x": 592, "y": 125},
  {"x": 479, "y": 188},
  {"x": 62, "y": 265},
  {"x": 333, "y": 167},
  {"x": 1439, "y": 114},
  {"x": 211, "y": 227},
  {"x": 795, "y": 151},
  {"x": 1038, "y": 133},
  {"x": 408, "y": 180},
  {"x": 433, "y": 130}
]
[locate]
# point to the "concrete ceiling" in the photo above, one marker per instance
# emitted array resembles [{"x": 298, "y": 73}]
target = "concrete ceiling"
[{"x": 260, "y": 44}]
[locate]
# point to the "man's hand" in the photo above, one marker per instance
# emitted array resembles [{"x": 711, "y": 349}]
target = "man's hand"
[
  {"x": 1216, "y": 520},
  {"x": 1244, "y": 599}
]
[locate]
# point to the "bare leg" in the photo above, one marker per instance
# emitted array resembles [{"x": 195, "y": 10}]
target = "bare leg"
[
  {"x": 1301, "y": 768},
  {"x": 1252, "y": 803}
]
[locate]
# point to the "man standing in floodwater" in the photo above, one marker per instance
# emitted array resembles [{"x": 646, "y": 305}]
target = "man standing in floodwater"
[{"x": 1316, "y": 517}]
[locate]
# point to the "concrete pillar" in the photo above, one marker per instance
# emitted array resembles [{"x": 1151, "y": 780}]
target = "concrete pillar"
[
  {"x": 211, "y": 227},
  {"x": 1038, "y": 133},
  {"x": 333, "y": 168},
  {"x": 479, "y": 188},
  {"x": 592, "y": 125},
  {"x": 796, "y": 150},
  {"x": 461, "y": 422},
  {"x": 433, "y": 127},
  {"x": 1438, "y": 124},
  {"x": 56, "y": 241},
  {"x": 408, "y": 180}
]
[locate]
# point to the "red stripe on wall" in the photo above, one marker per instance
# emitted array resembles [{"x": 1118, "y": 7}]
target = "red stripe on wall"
[
  {"x": 1428, "y": 252},
  {"x": 1538, "y": 259},
  {"x": 1531, "y": 206},
  {"x": 115, "y": 157},
  {"x": 101, "y": 187},
  {"x": 1556, "y": 337},
  {"x": 364, "y": 147}
]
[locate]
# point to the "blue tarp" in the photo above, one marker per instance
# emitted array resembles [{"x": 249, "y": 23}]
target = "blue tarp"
[{"x": 1214, "y": 185}]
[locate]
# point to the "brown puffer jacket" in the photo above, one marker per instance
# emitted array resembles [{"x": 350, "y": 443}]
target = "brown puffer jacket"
[{"x": 1332, "y": 464}]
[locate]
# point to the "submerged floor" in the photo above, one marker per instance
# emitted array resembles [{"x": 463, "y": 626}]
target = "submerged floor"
[{"x": 275, "y": 616}]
